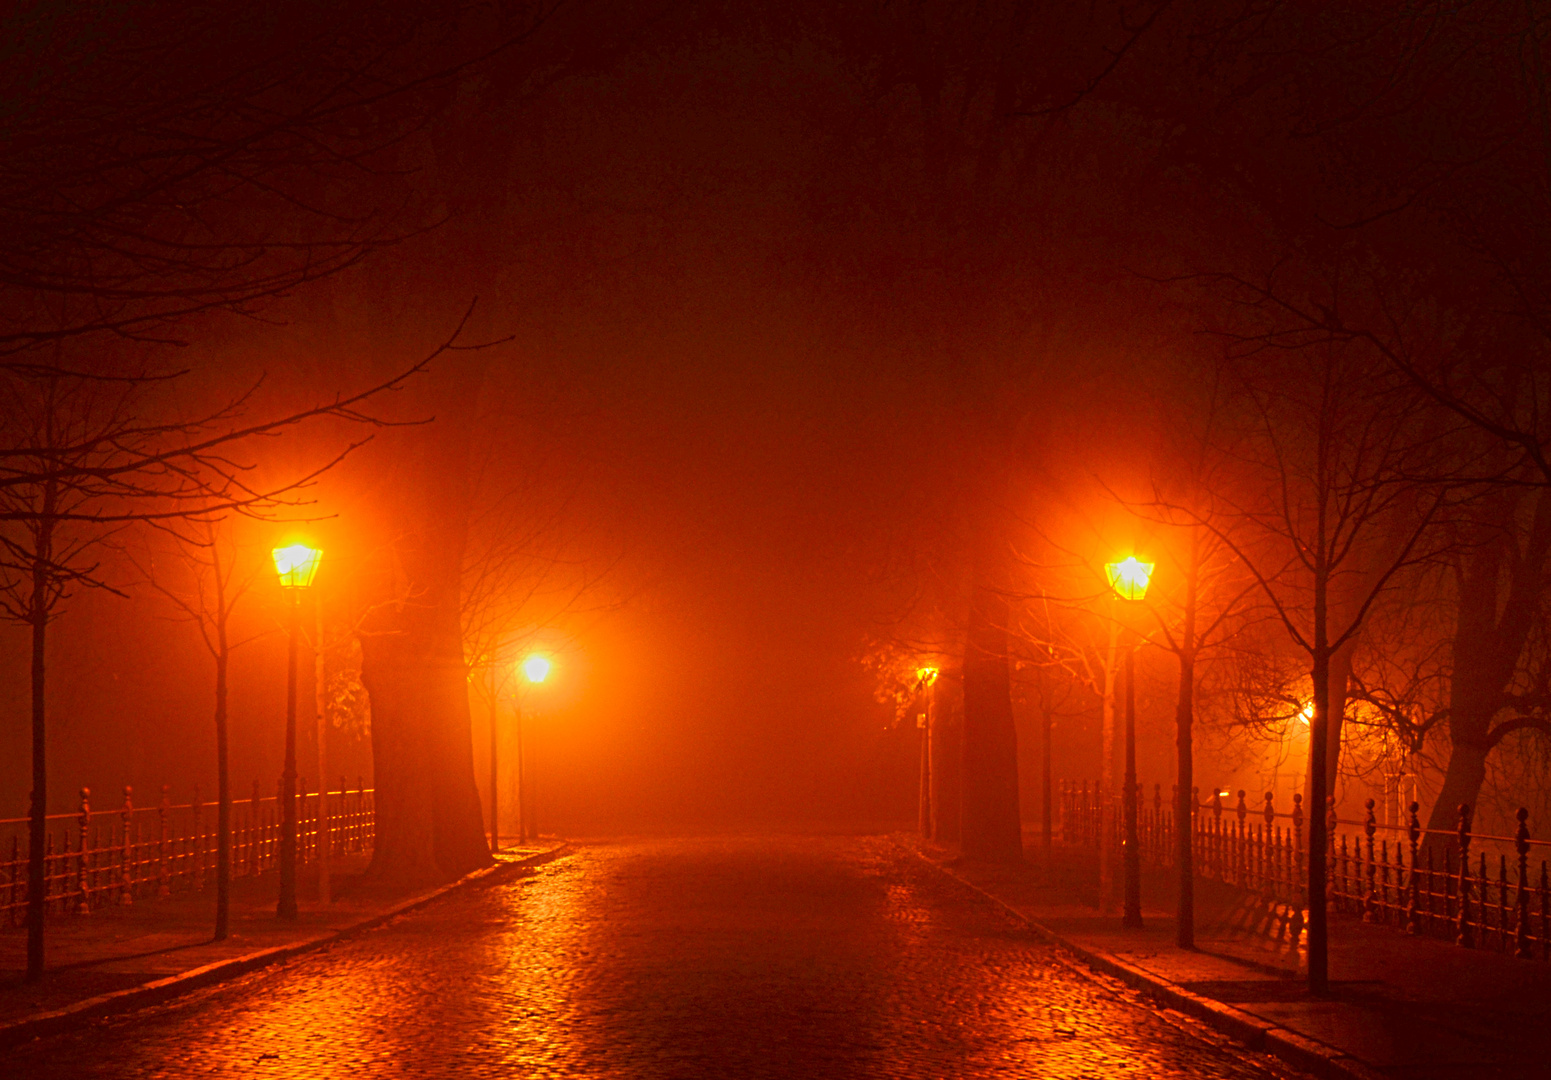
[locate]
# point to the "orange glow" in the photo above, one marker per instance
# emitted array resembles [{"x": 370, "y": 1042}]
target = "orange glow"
[
  {"x": 297, "y": 565},
  {"x": 536, "y": 668},
  {"x": 1306, "y": 714},
  {"x": 1130, "y": 577},
  {"x": 926, "y": 675}
]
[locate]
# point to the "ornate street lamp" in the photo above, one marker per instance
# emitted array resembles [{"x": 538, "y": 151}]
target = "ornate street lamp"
[
  {"x": 297, "y": 566},
  {"x": 1129, "y": 578}
]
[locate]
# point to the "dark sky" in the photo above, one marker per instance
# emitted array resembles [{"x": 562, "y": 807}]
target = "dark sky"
[{"x": 776, "y": 342}]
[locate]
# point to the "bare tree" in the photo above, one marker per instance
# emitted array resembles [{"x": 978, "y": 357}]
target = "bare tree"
[
  {"x": 207, "y": 588},
  {"x": 86, "y": 458},
  {"x": 1328, "y": 463}
]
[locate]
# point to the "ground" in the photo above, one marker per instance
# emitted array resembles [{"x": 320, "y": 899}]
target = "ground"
[{"x": 727, "y": 957}]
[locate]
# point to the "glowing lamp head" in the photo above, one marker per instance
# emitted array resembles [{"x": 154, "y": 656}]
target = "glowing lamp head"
[
  {"x": 535, "y": 669},
  {"x": 1306, "y": 714},
  {"x": 297, "y": 565},
  {"x": 926, "y": 676},
  {"x": 1130, "y": 577}
]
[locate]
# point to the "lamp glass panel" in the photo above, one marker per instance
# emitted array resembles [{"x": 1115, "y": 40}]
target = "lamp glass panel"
[
  {"x": 1130, "y": 577},
  {"x": 297, "y": 565}
]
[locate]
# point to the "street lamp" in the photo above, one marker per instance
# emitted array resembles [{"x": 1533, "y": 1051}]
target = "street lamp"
[
  {"x": 926, "y": 677},
  {"x": 535, "y": 668},
  {"x": 296, "y": 565},
  {"x": 1129, "y": 578}
]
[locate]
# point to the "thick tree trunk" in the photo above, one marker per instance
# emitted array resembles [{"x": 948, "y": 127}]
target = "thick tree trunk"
[
  {"x": 1461, "y": 786},
  {"x": 429, "y": 820},
  {"x": 1492, "y": 629},
  {"x": 992, "y": 825}
]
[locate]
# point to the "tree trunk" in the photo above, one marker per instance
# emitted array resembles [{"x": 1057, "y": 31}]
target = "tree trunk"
[
  {"x": 1462, "y": 782},
  {"x": 430, "y": 824},
  {"x": 1492, "y": 629},
  {"x": 37, "y": 825},
  {"x": 223, "y": 839},
  {"x": 992, "y": 825},
  {"x": 1184, "y": 806},
  {"x": 1336, "y": 683}
]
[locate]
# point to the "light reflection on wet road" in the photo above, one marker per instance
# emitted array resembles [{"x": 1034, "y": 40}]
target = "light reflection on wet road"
[{"x": 751, "y": 957}]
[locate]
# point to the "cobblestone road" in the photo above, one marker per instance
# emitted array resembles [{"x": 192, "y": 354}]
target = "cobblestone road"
[{"x": 795, "y": 957}]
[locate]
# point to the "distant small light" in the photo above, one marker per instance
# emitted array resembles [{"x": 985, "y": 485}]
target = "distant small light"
[{"x": 926, "y": 675}]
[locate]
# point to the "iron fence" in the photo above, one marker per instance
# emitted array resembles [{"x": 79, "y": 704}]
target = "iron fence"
[
  {"x": 1477, "y": 890},
  {"x": 94, "y": 859}
]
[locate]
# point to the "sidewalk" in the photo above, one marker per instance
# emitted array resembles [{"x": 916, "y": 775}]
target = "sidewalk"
[
  {"x": 122, "y": 957},
  {"x": 1400, "y": 1006}
]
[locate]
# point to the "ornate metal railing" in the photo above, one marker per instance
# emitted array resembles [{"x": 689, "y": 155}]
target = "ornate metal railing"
[
  {"x": 1477, "y": 890},
  {"x": 95, "y": 859}
]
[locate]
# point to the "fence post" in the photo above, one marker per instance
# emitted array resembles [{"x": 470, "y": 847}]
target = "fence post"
[
  {"x": 1161, "y": 851},
  {"x": 1370, "y": 896},
  {"x": 163, "y": 889},
  {"x": 16, "y": 875},
  {"x": 255, "y": 831},
  {"x": 1545, "y": 913},
  {"x": 1414, "y": 836},
  {"x": 83, "y": 892},
  {"x": 1300, "y": 878},
  {"x": 126, "y": 885},
  {"x": 302, "y": 844},
  {"x": 1502, "y": 902},
  {"x": 1521, "y": 845},
  {"x": 1466, "y": 934},
  {"x": 199, "y": 841}
]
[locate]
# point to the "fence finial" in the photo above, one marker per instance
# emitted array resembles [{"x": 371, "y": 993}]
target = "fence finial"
[
  {"x": 1270, "y": 811},
  {"x": 83, "y": 896}
]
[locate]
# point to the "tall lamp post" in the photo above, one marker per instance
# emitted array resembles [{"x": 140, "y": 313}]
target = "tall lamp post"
[
  {"x": 535, "y": 669},
  {"x": 926, "y": 678},
  {"x": 1129, "y": 578},
  {"x": 296, "y": 565}
]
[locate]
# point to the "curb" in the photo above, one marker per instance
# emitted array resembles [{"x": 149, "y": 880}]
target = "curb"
[
  {"x": 164, "y": 989},
  {"x": 1296, "y": 1049}
]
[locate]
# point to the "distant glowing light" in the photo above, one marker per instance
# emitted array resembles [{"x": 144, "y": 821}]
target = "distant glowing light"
[
  {"x": 926, "y": 676},
  {"x": 297, "y": 565},
  {"x": 1306, "y": 714},
  {"x": 536, "y": 668},
  {"x": 1130, "y": 577}
]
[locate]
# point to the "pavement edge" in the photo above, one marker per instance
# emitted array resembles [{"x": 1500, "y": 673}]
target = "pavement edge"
[
  {"x": 1300, "y": 1051},
  {"x": 159, "y": 990}
]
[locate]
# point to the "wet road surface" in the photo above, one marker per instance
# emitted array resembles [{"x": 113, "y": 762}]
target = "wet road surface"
[{"x": 744, "y": 957}]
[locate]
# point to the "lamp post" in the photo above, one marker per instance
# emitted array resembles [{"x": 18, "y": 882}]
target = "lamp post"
[
  {"x": 535, "y": 669},
  {"x": 926, "y": 678},
  {"x": 297, "y": 565},
  {"x": 1129, "y": 578}
]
